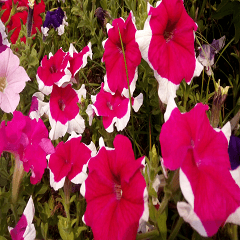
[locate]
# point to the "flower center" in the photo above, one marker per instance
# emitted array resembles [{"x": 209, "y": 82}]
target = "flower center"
[
  {"x": 53, "y": 69},
  {"x": 109, "y": 105},
  {"x": 3, "y": 83},
  {"x": 119, "y": 47},
  {"x": 169, "y": 31},
  {"x": 118, "y": 191},
  {"x": 61, "y": 104}
]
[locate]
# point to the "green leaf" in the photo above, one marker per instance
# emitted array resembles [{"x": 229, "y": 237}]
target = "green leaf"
[
  {"x": 103, "y": 4},
  {"x": 162, "y": 225},
  {"x": 65, "y": 232}
]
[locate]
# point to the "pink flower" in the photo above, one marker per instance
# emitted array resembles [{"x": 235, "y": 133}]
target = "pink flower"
[
  {"x": 64, "y": 111},
  {"x": 115, "y": 191},
  {"x": 53, "y": 71},
  {"x": 190, "y": 143},
  {"x": 28, "y": 140},
  {"x": 70, "y": 160},
  {"x": 78, "y": 60},
  {"x": 12, "y": 80},
  {"x": 167, "y": 44},
  {"x": 115, "y": 109},
  {"x": 116, "y": 79},
  {"x": 24, "y": 228}
]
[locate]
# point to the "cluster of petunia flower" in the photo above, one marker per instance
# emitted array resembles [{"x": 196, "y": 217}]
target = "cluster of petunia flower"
[{"x": 113, "y": 185}]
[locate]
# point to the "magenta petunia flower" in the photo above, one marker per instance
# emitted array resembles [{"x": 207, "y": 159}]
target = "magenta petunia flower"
[
  {"x": 79, "y": 60},
  {"x": 114, "y": 109},
  {"x": 115, "y": 191},
  {"x": 64, "y": 111},
  {"x": 190, "y": 143},
  {"x": 28, "y": 140},
  {"x": 116, "y": 79},
  {"x": 13, "y": 79},
  {"x": 167, "y": 44},
  {"x": 70, "y": 160},
  {"x": 25, "y": 229},
  {"x": 53, "y": 71}
]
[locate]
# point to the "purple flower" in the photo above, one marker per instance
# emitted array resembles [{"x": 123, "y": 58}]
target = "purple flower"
[
  {"x": 208, "y": 51},
  {"x": 56, "y": 19}
]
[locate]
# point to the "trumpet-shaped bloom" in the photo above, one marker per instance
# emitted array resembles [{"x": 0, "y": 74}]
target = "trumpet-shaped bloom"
[
  {"x": 70, "y": 160},
  {"x": 79, "y": 60},
  {"x": 56, "y": 19},
  {"x": 190, "y": 143},
  {"x": 12, "y": 80},
  {"x": 21, "y": 15},
  {"x": 115, "y": 191},
  {"x": 115, "y": 109},
  {"x": 28, "y": 140},
  {"x": 207, "y": 53},
  {"x": 25, "y": 229},
  {"x": 53, "y": 71},
  {"x": 116, "y": 79},
  {"x": 167, "y": 44},
  {"x": 64, "y": 111}
]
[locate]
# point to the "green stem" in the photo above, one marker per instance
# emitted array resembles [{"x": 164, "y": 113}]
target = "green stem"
[
  {"x": 147, "y": 235},
  {"x": 176, "y": 229},
  {"x": 234, "y": 232},
  {"x": 67, "y": 192},
  {"x": 129, "y": 91}
]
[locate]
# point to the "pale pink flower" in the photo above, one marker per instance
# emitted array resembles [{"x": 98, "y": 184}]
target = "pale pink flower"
[{"x": 12, "y": 80}]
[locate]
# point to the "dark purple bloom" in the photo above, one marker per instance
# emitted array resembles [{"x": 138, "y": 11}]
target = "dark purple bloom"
[
  {"x": 55, "y": 19},
  {"x": 234, "y": 152}
]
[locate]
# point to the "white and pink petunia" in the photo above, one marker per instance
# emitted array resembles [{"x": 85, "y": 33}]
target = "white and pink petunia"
[
  {"x": 70, "y": 161},
  {"x": 114, "y": 109},
  {"x": 167, "y": 44},
  {"x": 78, "y": 60},
  {"x": 38, "y": 106},
  {"x": 64, "y": 111},
  {"x": 28, "y": 141},
  {"x": 115, "y": 192},
  {"x": 53, "y": 71},
  {"x": 190, "y": 143},
  {"x": 116, "y": 78},
  {"x": 25, "y": 229},
  {"x": 13, "y": 79}
]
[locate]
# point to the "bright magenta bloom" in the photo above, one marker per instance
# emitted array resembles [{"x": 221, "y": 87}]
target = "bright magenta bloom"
[
  {"x": 70, "y": 160},
  {"x": 28, "y": 140},
  {"x": 53, "y": 71},
  {"x": 115, "y": 109},
  {"x": 12, "y": 80},
  {"x": 190, "y": 143},
  {"x": 167, "y": 44},
  {"x": 115, "y": 191},
  {"x": 78, "y": 60},
  {"x": 115, "y": 79},
  {"x": 25, "y": 230},
  {"x": 64, "y": 111}
]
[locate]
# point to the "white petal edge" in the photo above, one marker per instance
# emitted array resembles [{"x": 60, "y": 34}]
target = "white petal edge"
[
  {"x": 187, "y": 213},
  {"x": 56, "y": 185}
]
